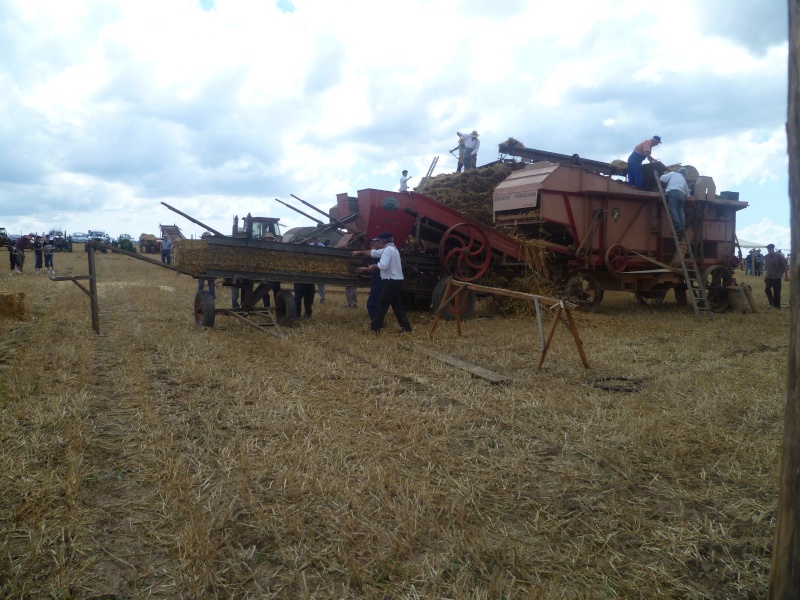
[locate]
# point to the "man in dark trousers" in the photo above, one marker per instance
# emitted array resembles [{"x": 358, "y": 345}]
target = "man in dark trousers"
[
  {"x": 304, "y": 299},
  {"x": 391, "y": 270},
  {"x": 775, "y": 266},
  {"x": 376, "y": 285}
]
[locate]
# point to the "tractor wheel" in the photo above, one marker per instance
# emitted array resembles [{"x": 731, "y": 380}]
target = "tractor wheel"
[
  {"x": 204, "y": 309},
  {"x": 466, "y": 300},
  {"x": 284, "y": 307}
]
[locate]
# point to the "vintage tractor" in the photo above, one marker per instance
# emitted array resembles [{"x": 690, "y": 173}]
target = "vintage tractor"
[
  {"x": 149, "y": 244},
  {"x": 60, "y": 240},
  {"x": 125, "y": 242}
]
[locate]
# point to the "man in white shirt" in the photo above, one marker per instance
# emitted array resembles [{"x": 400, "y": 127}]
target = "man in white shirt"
[
  {"x": 471, "y": 144},
  {"x": 676, "y": 191},
  {"x": 404, "y": 181},
  {"x": 391, "y": 269}
]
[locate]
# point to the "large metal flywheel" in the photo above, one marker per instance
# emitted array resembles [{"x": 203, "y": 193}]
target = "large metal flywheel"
[{"x": 464, "y": 252}]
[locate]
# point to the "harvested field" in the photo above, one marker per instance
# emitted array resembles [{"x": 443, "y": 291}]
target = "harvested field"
[{"x": 165, "y": 460}]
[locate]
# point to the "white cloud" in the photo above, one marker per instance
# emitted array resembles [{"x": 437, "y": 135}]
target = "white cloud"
[
  {"x": 111, "y": 102},
  {"x": 766, "y": 232}
]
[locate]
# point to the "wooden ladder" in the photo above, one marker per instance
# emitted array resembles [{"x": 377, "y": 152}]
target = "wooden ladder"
[
  {"x": 691, "y": 272},
  {"x": 425, "y": 179}
]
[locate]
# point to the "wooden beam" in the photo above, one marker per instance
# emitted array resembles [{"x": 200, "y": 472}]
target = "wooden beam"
[{"x": 477, "y": 371}]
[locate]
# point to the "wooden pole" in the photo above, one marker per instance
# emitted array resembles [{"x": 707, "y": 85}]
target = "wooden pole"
[
  {"x": 458, "y": 311},
  {"x": 93, "y": 291},
  {"x": 784, "y": 577},
  {"x": 574, "y": 329},
  {"x": 549, "y": 338}
]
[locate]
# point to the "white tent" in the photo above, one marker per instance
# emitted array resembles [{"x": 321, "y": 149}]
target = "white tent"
[{"x": 746, "y": 244}]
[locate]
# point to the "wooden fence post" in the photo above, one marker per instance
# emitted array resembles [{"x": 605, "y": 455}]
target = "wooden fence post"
[{"x": 784, "y": 577}]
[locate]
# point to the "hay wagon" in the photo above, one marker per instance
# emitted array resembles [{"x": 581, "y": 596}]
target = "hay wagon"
[
  {"x": 436, "y": 241},
  {"x": 606, "y": 235}
]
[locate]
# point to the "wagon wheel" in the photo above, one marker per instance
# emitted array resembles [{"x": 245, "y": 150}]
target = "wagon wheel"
[
  {"x": 617, "y": 258},
  {"x": 585, "y": 291},
  {"x": 204, "y": 309},
  {"x": 466, "y": 301},
  {"x": 717, "y": 279},
  {"x": 651, "y": 297},
  {"x": 284, "y": 307},
  {"x": 464, "y": 252}
]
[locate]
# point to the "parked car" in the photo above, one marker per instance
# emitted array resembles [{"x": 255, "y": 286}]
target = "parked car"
[
  {"x": 79, "y": 238},
  {"x": 99, "y": 236}
]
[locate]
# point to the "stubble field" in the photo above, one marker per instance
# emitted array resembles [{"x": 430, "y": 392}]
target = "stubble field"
[{"x": 161, "y": 459}]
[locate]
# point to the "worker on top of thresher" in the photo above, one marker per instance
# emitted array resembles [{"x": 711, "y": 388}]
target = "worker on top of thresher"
[
  {"x": 471, "y": 144},
  {"x": 461, "y": 149},
  {"x": 640, "y": 152},
  {"x": 404, "y": 181},
  {"x": 676, "y": 191}
]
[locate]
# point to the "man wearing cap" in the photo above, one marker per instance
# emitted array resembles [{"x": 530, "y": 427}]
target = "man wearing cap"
[
  {"x": 471, "y": 146},
  {"x": 775, "y": 266},
  {"x": 640, "y": 152},
  {"x": 391, "y": 270},
  {"x": 676, "y": 190}
]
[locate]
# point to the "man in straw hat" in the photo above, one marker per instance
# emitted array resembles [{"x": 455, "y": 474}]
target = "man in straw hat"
[
  {"x": 471, "y": 146},
  {"x": 640, "y": 152}
]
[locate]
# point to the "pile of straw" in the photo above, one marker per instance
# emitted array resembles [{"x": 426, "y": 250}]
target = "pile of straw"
[
  {"x": 470, "y": 192},
  {"x": 12, "y": 305},
  {"x": 200, "y": 256}
]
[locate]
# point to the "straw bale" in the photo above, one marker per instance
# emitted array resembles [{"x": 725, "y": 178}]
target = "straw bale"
[
  {"x": 620, "y": 167},
  {"x": 200, "y": 256},
  {"x": 12, "y": 305},
  {"x": 513, "y": 143}
]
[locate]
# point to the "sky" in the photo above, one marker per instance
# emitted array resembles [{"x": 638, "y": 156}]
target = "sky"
[{"x": 217, "y": 107}]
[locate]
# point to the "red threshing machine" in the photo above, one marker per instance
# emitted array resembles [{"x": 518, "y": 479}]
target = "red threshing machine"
[{"x": 606, "y": 235}]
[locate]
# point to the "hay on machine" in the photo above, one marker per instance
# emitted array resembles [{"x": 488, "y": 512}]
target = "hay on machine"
[{"x": 200, "y": 256}]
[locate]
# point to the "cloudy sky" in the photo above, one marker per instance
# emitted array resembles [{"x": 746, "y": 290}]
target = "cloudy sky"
[{"x": 219, "y": 106}]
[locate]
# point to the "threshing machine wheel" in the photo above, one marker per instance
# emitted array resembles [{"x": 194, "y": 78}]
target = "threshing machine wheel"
[
  {"x": 651, "y": 297},
  {"x": 464, "y": 252},
  {"x": 204, "y": 309},
  {"x": 717, "y": 279},
  {"x": 732, "y": 259},
  {"x": 466, "y": 301},
  {"x": 617, "y": 258},
  {"x": 585, "y": 291},
  {"x": 284, "y": 307}
]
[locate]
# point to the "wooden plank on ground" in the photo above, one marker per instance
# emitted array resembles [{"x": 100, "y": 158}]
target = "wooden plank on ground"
[{"x": 477, "y": 371}]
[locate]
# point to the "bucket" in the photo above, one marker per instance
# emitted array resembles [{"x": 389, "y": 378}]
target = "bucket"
[
  {"x": 748, "y": 292},
  {"x": 738, "y": 300}
]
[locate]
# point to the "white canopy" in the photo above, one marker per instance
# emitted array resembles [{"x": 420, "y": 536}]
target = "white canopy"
[{"x": 746, "y": 244}]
